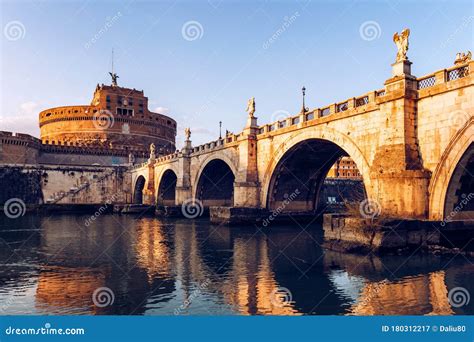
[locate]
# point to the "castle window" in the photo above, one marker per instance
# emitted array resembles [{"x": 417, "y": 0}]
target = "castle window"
[
  {"x": 124, "y": 111},
  {"x": 119, "y": 100},
  {"x": 107, "y": 98},
  {"x": 130, "y": 102},
  {"x": 108, "y": 107},
  {"x": 140, "y": 104}
]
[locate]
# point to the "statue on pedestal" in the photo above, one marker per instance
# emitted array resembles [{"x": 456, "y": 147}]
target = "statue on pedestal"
[
  {"x": 114, "y": 78},
  {"x": 401, "y": 40},
  {"x": 251, "y": 107},
  {"x": 462, "y": 58},
  {"x": 187, "y": 133},
  {"x": 131, "y": 158},
  {"x": 152, "y": 151}
]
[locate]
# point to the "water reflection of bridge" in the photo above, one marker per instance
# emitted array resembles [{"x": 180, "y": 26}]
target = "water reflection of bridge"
[{"x": 156, "y": 267}]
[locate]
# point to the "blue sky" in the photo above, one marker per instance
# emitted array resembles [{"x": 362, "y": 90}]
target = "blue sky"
[{"x": 61, "y": 50}]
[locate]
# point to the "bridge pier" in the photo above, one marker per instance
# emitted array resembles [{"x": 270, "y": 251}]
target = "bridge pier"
[
  {"x": 183, "y": 193},
  {"x": 400, "y": 179},
  {"x": 149, "y": 191},
  {"x": 246, "y": 195},
  {"x": 403, "y": 194}
]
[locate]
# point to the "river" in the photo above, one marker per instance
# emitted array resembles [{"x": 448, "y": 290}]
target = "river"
[{"x": 128, "y": 265}]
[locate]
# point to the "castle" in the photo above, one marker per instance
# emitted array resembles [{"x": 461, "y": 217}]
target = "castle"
[
  {"x": 84, "y": 151},
  {"x": 116, "y": 128}
]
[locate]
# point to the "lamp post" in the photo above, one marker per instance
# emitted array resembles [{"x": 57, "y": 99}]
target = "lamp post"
[
  {"x": 303, "y": 90},
  {"x": 220, "y": 129}
]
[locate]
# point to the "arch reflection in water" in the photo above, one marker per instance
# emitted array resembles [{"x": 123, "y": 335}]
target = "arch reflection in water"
[{"x": 190, "y": 267}]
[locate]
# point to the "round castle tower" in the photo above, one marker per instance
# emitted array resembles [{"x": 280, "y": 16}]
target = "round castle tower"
[{"x": 116, "y": 118}]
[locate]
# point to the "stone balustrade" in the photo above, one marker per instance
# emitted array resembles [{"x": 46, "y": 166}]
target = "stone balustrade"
[{"x": 345, "y": 108}]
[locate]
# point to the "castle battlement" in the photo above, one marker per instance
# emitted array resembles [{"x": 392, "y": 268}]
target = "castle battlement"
[{"x": 117, "y": 118}]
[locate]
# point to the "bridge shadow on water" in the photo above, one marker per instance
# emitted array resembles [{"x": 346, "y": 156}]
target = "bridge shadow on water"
[{"x": 54, "y": 264}]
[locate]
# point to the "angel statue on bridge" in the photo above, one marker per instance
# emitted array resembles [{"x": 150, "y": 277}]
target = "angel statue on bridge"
[
  {"x": 401, "y": 40},
  {"x": 187, "y": 133},
  {"x": 462, "y": 58},
  {"x": 251, "y": 107},
  {"x": 131, "y": 158},
  {"x": 152, "y": 151}
]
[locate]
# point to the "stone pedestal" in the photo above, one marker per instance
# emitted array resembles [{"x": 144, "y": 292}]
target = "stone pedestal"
[
  {"x": 251, "y": 122},
  {"x": 187, "y": 149},
  {"x": 401, "y": 68}
]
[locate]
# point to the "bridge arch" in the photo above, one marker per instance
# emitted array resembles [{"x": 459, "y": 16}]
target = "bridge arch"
[
  {"x": 450, "y": 173},
  {"x": 299, "y": 150},
  {"x": 166, "y": 188},
  {"x": 138, "y": 190},
  {"x": 214, "y": 183}
]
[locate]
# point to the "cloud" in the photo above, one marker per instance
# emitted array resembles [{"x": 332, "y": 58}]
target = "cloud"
[
  {"x": 29, "y": 108},
  {"x": 161, "y": 110},
  {"x": 203, "y": 131},
  {"x": 25, "y": 120}
]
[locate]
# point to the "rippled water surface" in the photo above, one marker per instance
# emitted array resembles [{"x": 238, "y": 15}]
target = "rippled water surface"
[{"x": 149, "y": 266}]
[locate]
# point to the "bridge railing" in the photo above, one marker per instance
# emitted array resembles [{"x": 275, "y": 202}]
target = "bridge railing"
[
  {"x": 442, "y": 76},
  {"x": 216, "y": 143},
  {"x": 427, "y": 81},
  {"x": 322, "y": 112}
]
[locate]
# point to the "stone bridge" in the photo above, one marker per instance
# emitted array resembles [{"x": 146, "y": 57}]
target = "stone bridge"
[{"x": 412, "y": 141}]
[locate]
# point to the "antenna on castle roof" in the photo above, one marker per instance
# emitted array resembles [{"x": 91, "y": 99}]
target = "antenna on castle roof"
[{"x": 113, "y": 74}]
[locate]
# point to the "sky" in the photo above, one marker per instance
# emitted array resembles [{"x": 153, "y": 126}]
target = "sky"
[{"x": 200, "y": 61}]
